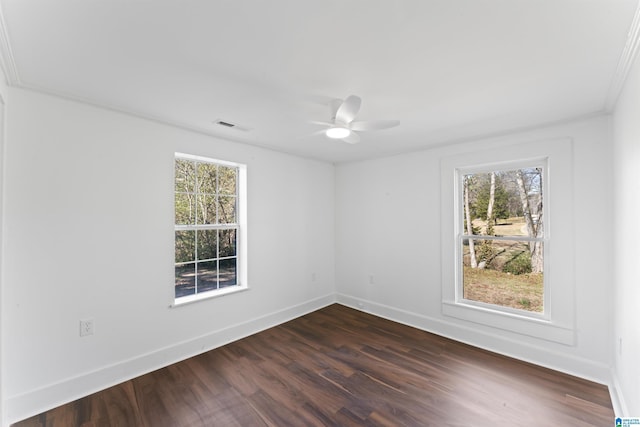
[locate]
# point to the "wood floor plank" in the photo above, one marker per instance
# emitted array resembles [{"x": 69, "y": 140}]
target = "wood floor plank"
[{"x": 342, "y": 367}]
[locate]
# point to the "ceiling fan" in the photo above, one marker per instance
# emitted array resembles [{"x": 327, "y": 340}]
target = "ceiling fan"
[{"x": 343, "y": 126}]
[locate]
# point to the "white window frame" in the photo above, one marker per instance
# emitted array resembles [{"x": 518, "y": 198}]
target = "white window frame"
[
  {"x": 461, "y": 233},
  {"x": 557, "y": 323},
  {"x": 241, "y": 232}
]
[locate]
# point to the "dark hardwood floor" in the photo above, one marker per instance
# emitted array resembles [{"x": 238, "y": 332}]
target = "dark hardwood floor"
[{"x": 341, "y": 367}]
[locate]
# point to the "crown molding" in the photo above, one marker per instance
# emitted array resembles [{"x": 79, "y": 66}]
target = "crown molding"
[
  {"x": 6, "y": 55},
  {"x": 625, "y": 62}
]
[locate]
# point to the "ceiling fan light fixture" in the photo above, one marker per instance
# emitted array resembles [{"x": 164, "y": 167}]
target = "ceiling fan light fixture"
[{"x": 338, "y": 132}]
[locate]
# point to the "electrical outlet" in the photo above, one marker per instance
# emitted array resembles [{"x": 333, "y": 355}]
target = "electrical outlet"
[
  {"x": 371, "y": 280},
  {"x": 313, "y": 277},
  {"x": 86, "y": 327}
]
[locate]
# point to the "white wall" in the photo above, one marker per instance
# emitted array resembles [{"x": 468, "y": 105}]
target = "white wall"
[
  {"x": 625, "y": 211},
  {"x": 388, "y": 226},
  {"x": 89, "y": 234},
  {"x": 3, "y": 97}
]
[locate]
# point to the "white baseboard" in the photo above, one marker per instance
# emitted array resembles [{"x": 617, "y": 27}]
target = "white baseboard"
[
  {"x": 572, "y": 365},
  {"x": 36, "y": 401},
  {"x": 617, "y": 399}
]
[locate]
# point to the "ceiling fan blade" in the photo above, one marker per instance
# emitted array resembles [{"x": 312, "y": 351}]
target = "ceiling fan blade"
[
  {"x": 353, "y": 138},
  {"x": 333, "y": 108},
  {"x": 316, "y": 122},
  {"x": 374, "y": 125},
  {"x": 348, "y": 109}
]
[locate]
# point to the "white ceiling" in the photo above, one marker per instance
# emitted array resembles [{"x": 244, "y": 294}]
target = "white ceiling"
[{"x": 447, "y": 69}]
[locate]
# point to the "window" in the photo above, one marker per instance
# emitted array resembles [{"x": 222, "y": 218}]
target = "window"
[
  {"x": 523, "y": 276},
  {"x": 208, "y": 227},
  {"x": 501, "y": 238}
]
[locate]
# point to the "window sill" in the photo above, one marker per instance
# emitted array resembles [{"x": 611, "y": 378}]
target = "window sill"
[
  {"x": 182, "y": 301},
  {"x": 537, "y": 327}
]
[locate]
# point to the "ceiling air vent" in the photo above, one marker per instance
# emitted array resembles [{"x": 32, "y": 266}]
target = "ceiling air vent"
[
  {"x": 229, "y": 125},
  {"x": 225, "y": 124}
]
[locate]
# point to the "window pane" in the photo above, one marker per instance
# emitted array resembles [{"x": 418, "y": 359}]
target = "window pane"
[
  {"x": 227, "y": 243},
  {"x": 228, "y": 274},
  {"x": 207, "y": 244},
  {"x": 185, "y": 209},
  {"x": 185, "y": 280},
  {"x": 207, "y": 173},
  {"x": 504, "y": 203},
  {"x": 508, "y": 273},
  {"x": 227, "y": 180},
  {"x": 206, "y": 209},
  {"x": 185, "y": 179},
  {"x": 185, "y": 246},
  {"x": 207, "y": 276},
  {"x": 226, "y": 210}
]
